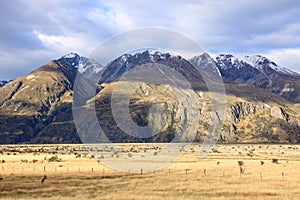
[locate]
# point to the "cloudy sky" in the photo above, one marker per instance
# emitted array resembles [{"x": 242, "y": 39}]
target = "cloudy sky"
[{"x": 35, "y": 32}]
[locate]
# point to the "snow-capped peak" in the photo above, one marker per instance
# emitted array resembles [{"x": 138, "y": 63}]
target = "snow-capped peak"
[
  {"x": 71, "y": 59},
  {"x": 161, "y": 53},
  {"x": 124, "y": 58},
  {"x": 88, "y": 64},
  {"x": 82, "y": 64},
  {"x": 70, "y": 55},
  {"x": 228, "y": 57},
  {"x": 226, "y": 61},
  {"x": 224, "y": 56},
  {"x": 153, "y": 52},
  {"x": 259, "y": 61}
]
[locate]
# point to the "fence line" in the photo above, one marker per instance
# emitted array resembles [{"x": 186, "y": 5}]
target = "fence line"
[{"x": 100, "y": 170}]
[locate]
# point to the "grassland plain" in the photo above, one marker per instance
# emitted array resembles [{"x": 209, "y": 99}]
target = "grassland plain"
[{"x": 241, "y": 171}]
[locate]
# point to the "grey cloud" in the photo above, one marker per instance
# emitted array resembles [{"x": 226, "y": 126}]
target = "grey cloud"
[
  {"x": 231, "y": 25},
  {"x": 219, "y": 26}
]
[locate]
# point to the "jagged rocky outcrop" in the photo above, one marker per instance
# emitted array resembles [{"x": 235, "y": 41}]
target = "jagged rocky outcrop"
[
  {"x": 242, "y": 109},
  {"x": 256, "y": 121}
]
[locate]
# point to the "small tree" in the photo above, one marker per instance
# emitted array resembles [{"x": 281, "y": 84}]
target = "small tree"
[
  {"x": 240, "y": 163},
  {"x": 275, "y": 160}
]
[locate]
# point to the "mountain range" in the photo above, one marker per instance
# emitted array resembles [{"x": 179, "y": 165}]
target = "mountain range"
[{"x": 263, "y": 100}]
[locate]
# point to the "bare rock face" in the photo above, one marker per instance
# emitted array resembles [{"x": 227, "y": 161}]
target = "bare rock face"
[
  {"x": 242, "y": 109},
  {"x": 279, "y": 113}
]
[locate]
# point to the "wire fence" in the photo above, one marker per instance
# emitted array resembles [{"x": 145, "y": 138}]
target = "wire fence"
[{"x": 102, "y": 170}]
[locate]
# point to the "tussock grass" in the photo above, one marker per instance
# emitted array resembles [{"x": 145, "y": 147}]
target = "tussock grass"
[{"x": 222, "y": 181}]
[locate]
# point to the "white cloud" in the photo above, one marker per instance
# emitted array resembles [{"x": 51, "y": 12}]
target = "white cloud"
[
  {"x": 286, "y": 57},
  {"x": 64, "y": 44}
]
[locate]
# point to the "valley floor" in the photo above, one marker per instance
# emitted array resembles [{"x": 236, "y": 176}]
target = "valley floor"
[{"x": 268, "y": 172}]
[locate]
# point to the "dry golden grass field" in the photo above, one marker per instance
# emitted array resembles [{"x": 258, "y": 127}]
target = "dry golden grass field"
[{"x": 228, "y": 172}]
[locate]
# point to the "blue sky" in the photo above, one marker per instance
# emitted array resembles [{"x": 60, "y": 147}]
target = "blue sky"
[{"x": 35, "y": 32}]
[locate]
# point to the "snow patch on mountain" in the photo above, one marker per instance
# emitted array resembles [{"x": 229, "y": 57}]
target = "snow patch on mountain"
[
  {"x": 258, "y": 61},
  {"x": 227, "y": 61},
  {"x": 2, "y": 83},
  {"x": 162, "y": 54},
  {"x": 88, "y": 64},
  {"x": 206, "y": 63},
  {"x": 70, "y": 55},
  {"x": 82, "y": 64}
]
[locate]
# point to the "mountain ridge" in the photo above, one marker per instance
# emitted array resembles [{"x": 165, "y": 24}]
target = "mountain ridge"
[
  {"x": 263, "y": 73},
  {"x": 41, "y": 102}
]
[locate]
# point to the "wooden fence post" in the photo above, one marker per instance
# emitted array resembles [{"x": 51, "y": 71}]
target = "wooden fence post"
[{"x": 260, "y": 176}]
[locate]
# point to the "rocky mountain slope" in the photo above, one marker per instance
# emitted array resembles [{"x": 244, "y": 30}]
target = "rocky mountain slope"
[
  {"x": 262, "y": 100},
  {"x": 38, "y": 107}
]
